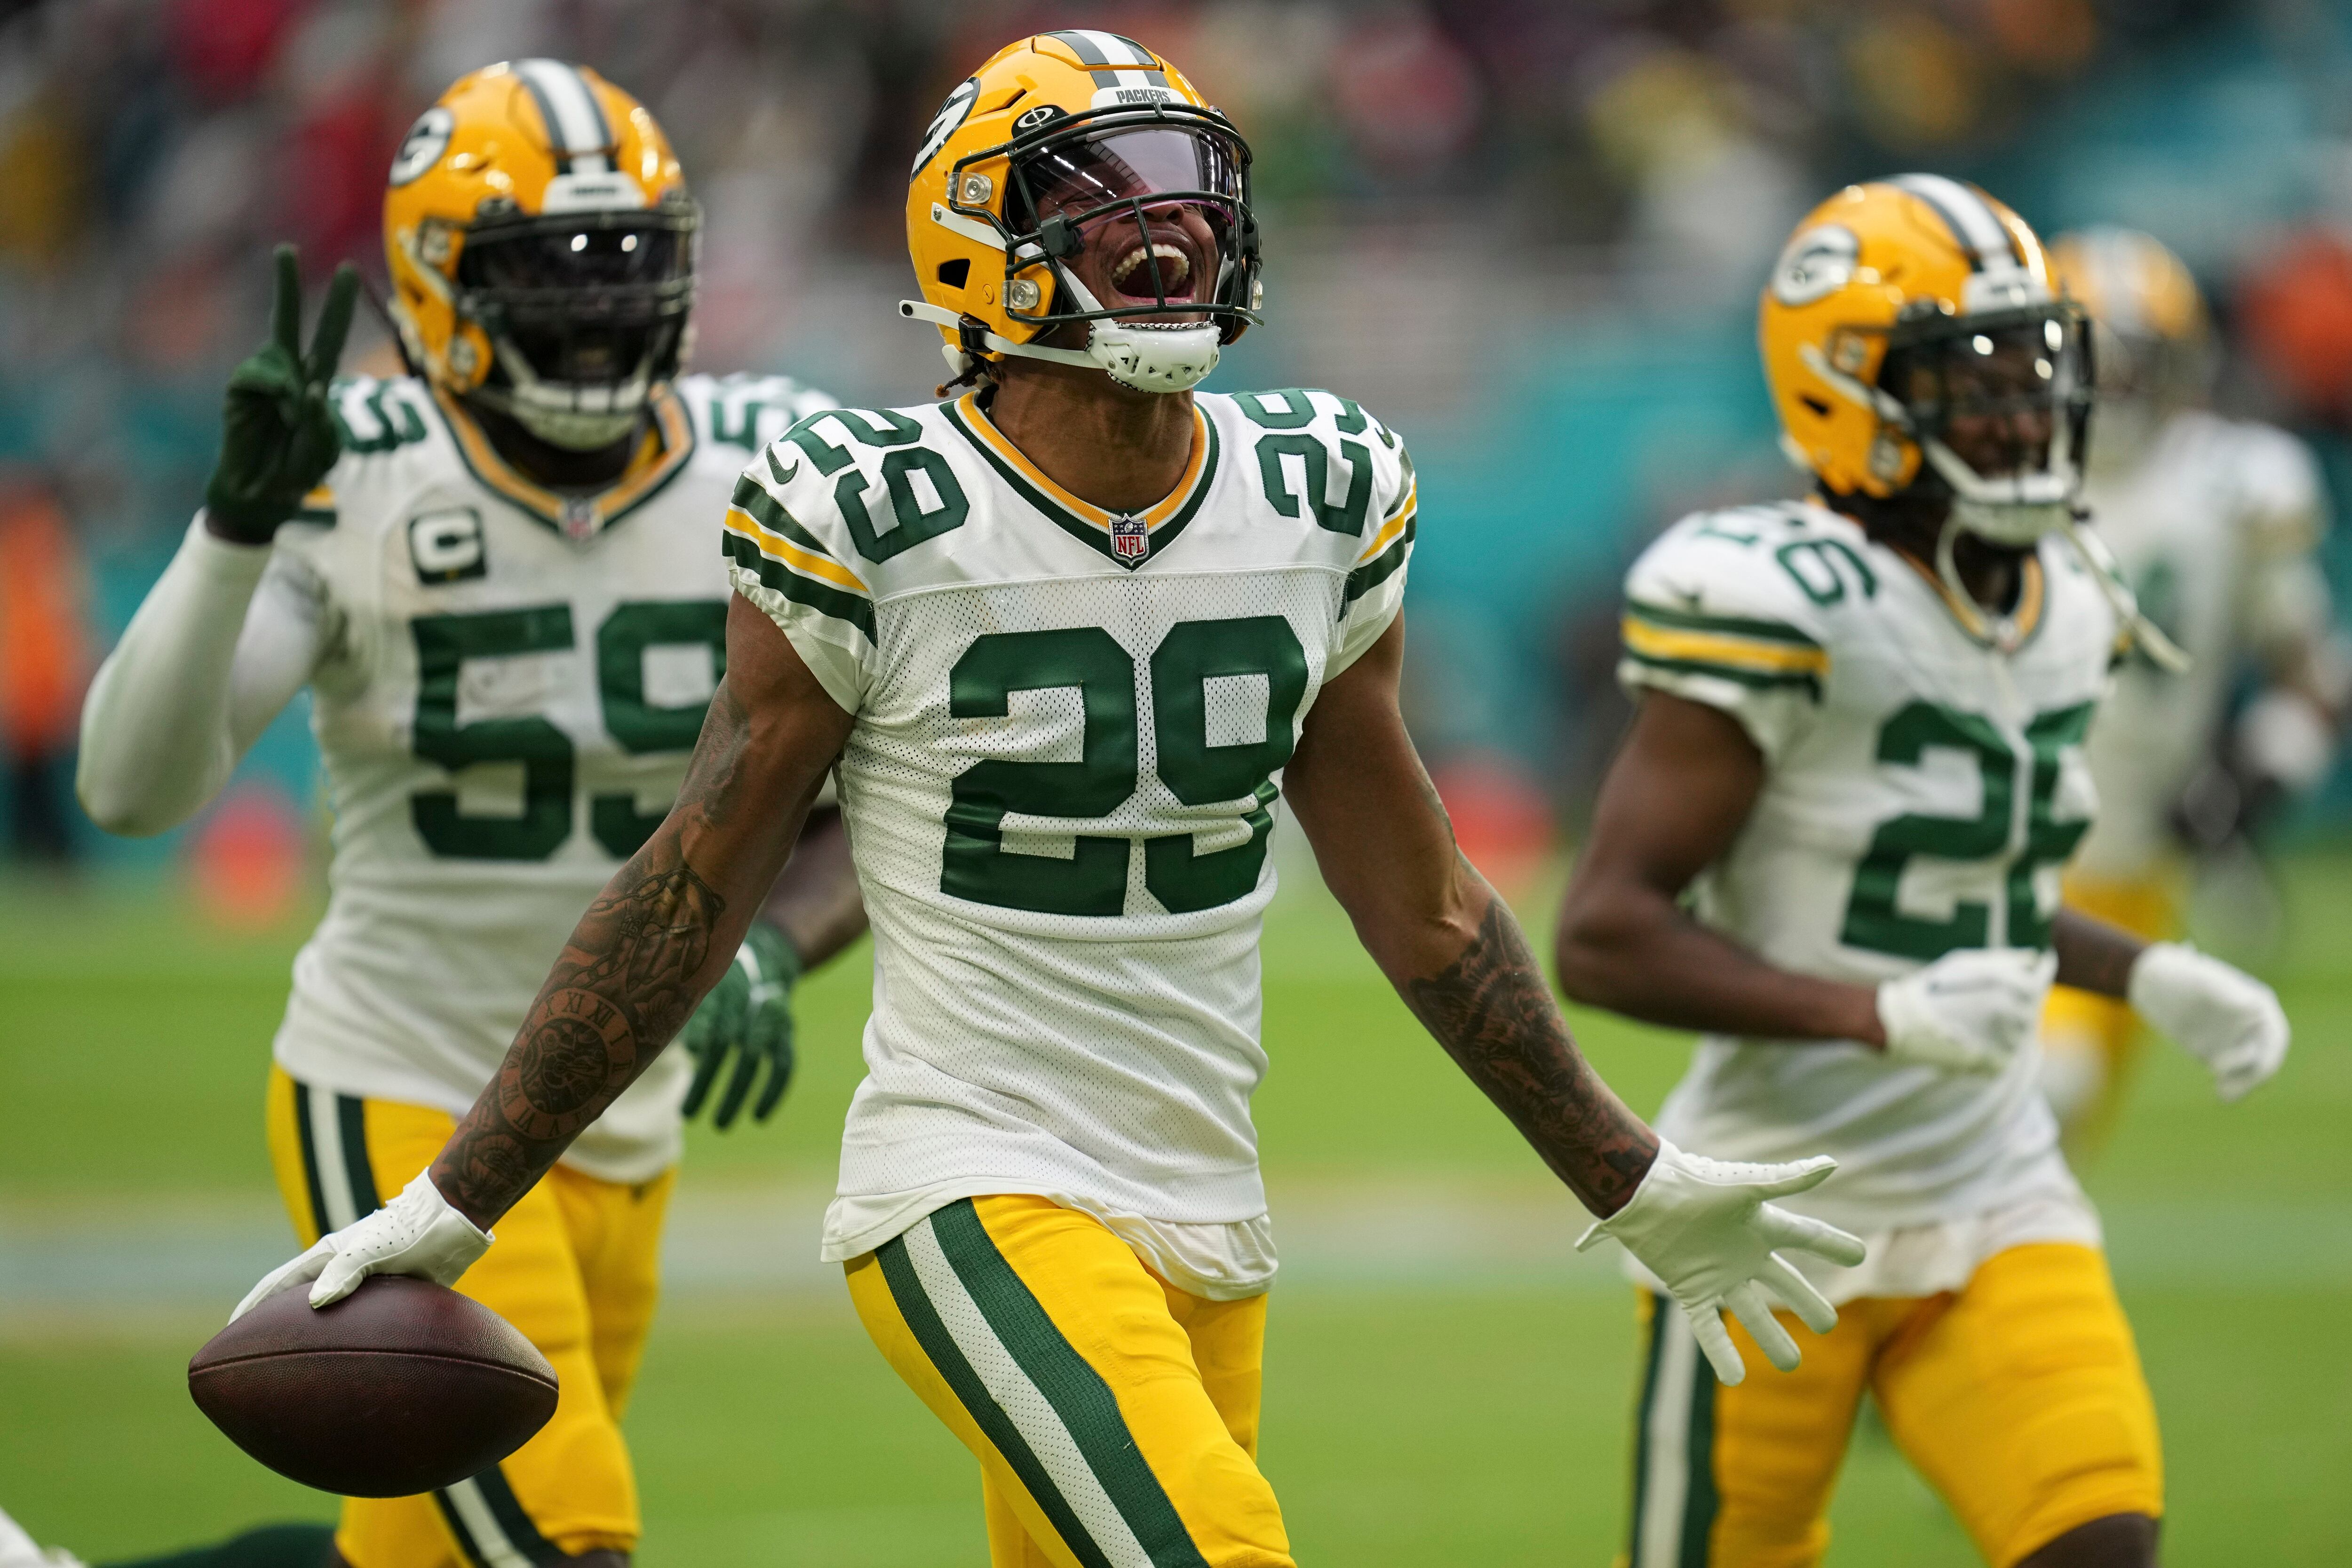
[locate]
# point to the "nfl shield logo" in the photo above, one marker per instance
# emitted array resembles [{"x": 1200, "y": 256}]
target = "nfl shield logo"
[
  {"x": 1130, "y": 539},
  {"x": 579, "y": 517}
]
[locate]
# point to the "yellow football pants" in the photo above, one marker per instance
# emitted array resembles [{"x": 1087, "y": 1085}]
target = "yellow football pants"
[
  {"x": 2092, "y": 1041},
  {"x": 1114, "y": 1416},
  {"x": 2019, "y": 1397},
  {"x": 574, "y": 1268}
]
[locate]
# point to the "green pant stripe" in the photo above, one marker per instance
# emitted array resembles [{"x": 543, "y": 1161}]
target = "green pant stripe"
[
  {"x": 350, "y": 1115},
  {"x": 317, "y": 1194},
  {"x": 468, "y": 1547},
  {"x": 1078, "y": 1392},
  {"x": 522, "y": 1533},
  {"x": 1699, "y": 1499},
  {"x": 915, "y": 1306}
]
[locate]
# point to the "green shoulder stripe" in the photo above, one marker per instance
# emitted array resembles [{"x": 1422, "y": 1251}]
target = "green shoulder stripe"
[
  {"x": 1381, "y": 567},
  {"x": 1804, "y": 681},
  {"x": 821, "y": 597},
  {"x": 770, "y": 514},
  {"x": 1727, "y": 626}
]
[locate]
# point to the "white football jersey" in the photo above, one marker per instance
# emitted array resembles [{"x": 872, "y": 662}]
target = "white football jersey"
[
  {"x": 511, "y": 683},
  {"x": 2214, "y": 529},
  {"x": 1922, "y": 792},
  {"x": 1071, "y": 728}
]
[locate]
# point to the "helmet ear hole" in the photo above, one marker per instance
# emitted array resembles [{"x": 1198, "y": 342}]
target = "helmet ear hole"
[{"x": 955, "y": 274}]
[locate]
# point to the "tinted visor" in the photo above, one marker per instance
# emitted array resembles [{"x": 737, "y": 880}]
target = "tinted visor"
[
  {"x": 1160, "y": 206},
  {"x": 584, "y": 305},
  {"x": 1079, "y": 177},
  {"x": 1997, "y": 391},
  {"x": 582, "y": 258}
]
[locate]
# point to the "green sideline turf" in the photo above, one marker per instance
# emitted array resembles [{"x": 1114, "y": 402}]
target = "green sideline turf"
[{"x": 1422, "y": 1423}]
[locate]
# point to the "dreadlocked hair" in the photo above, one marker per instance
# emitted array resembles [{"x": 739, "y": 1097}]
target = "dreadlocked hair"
[{"x": 976, "y": 373}]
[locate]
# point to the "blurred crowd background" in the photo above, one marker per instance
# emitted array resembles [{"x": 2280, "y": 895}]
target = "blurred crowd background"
[{"x": 1528, "y": 234}]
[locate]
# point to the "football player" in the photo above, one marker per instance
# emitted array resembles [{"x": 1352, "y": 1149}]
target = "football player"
[
  {"x": 2215, "y": 523},
  {"x": 498, "y": 578},
  {"x": 1858, "y": 747},
  {"x": 1077, "y": 629}
]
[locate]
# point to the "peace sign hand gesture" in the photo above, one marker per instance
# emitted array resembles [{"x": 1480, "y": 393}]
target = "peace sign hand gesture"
[{"x": 278, "y": 434}]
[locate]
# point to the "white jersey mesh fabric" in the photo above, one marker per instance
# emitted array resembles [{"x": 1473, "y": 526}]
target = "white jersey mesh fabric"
[
  {"x": 1922, "y": 792},
  {"x": 505, "y": 703},
  {"x": 1070, "y": 732}
]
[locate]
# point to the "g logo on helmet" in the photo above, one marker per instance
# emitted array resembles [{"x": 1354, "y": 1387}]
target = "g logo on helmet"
[
  {"x": 944, "y": 124},
  {"x": 423, "y": 147},
  {"x": 1815, "y": 265}
]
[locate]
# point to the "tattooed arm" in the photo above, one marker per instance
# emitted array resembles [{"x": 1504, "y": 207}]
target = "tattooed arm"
[
  {"x": 665, "y": 927},
  {"x": 1445, "y": 940}
]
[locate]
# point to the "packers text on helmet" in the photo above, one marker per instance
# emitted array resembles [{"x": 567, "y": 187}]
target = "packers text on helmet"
[{"x": 1076, "y": 155}]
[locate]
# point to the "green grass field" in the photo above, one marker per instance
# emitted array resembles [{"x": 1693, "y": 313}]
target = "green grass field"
[{"x": 1442, "y": 1403}]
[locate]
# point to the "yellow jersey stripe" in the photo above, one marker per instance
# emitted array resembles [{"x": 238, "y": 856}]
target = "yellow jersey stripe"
[
  {"x": 778, "y": 548},
  {"x": 1389, "y": 531},
  {"x": 1715, "y": 647}
]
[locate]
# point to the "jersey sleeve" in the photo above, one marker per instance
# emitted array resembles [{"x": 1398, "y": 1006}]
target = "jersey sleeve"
[
  {"x": 1710, "y": 617},
  {"x": 787, "y": 551},
  {"x": 1374, "y": 592}
]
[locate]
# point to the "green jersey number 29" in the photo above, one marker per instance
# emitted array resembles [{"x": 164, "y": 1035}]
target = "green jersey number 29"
[{"x": 1092, "y": 881}]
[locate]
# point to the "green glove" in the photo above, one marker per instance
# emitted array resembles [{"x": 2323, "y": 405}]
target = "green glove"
[
  {"x": 278, "y": 435},
  {"x": 750, "y": 1013}
]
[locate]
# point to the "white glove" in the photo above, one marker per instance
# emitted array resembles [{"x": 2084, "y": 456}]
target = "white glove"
[
  {"x": 1972, "y": 1010},
  {"x": 2225, "y": 1017},
  {"x": 417, "y": 1234},
  {"x": 1703, "y": 1227}
]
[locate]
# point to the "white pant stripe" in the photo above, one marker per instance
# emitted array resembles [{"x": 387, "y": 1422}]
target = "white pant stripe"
[
  {"x": 1667, "y": 1487},
  {"x": 327, "y": 1149},
  {"x": 1033, "y": 1415},
  {"x": 489, "y": 1540}
]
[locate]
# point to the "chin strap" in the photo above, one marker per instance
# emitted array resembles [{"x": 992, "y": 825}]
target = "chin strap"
[
  {"x": 2149, "y": 637},
  {"x": 2001, "y": 631},
  {"x": 971, "y": 335}
]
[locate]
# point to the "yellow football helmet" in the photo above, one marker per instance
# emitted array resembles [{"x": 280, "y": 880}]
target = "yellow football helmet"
[
  {"x": 2148, "y": 325},
  {"x": 541, "y": 244},
  {"x": 1901, "y": 304},
  {"x": 1070, "y": 140}
]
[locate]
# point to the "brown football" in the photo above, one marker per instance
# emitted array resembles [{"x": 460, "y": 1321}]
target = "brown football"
[{"x": 401, "y": 1387}]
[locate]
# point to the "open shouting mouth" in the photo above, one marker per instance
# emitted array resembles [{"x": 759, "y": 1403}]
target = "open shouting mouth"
[{"x": 1132, "y": 274}]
